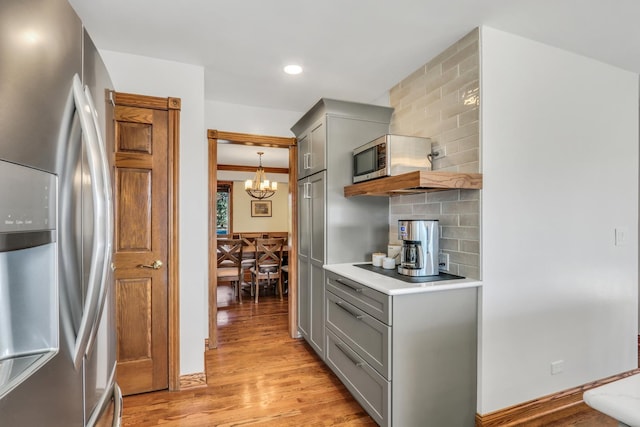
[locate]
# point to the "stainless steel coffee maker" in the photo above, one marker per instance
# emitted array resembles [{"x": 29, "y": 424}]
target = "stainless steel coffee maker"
[{"x": 420, "y": 247}]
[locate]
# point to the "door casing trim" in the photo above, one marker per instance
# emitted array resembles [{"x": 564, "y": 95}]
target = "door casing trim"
[{"x": 213, "y": 136}]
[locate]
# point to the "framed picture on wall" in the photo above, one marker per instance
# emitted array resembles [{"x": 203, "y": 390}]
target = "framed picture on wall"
[{"x": 261, "y": 208}]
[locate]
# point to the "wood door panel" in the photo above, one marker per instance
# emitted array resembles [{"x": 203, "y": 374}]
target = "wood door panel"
[
  {"x": 134, "y": 205},
  {"x": 135, "y": 377},
  {"x": 134, "y": 137},
  {"x": 134, "y": 319}
]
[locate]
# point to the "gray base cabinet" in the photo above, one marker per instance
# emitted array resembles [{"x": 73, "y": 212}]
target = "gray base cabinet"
[{"x": 409, "y": 360}]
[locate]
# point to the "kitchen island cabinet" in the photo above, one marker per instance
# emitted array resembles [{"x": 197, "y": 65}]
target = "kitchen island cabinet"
[{"x": 409, "y": 355}]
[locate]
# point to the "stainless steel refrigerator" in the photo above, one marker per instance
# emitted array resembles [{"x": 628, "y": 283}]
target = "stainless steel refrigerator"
[{"x": 57, "y": 312}]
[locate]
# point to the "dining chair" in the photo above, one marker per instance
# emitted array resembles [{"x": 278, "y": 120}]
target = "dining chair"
[
  {"x": 268, "y": 264},
  {"x": 248, "y": 257},
  {"x": 285, "y": 278},
  {"x": 278, "y": 235},
  {"x": 229, "y": 253}
]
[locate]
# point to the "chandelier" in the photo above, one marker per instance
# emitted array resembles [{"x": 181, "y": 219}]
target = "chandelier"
[{"x": 260, "y": 187}]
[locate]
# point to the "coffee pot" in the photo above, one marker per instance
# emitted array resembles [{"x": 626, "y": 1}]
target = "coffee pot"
[{"x": 420, "y": 246}]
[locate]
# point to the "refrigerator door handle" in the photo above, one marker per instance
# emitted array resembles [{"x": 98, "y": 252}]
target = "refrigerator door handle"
[
  {"x": 98, "y": 249},
  {"x": 107, "y": 198},
  {"x": 117, "y": 411}
]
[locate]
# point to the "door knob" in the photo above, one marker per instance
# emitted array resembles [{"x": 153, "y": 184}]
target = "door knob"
[{"x": 155, "y": 266}]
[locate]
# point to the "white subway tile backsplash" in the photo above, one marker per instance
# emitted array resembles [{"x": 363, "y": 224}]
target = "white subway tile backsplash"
[
  {"x": 446, "y": 220},
  {"x": 410, "y": 199},
  {"x": 429, "y": 99},
  {"x": 441, "y": 80},
  {"x": 470, "y": 220},
  {"x": 469, "y": 116},
  {"x": 464, "y": 258},
  {"x": 427, "y": 209},
  {"x": 443, "y": 196},
  {"x": 469, "y": 63},
  {"x": 461, "y": 132},
  {"x": 461, "y": 233},
  {"x": 440, "y": 100},
  {"x": 468, "y": 207},
  {"x": 470, "y": 142},
  {"x": 449, "y": 245},
  {"x": 401, "y": 209},
  {"x": 460, "y": 56},
  {"x": 472, "y": 167},
  {"x": 471, "y": 246},
  {"x": 467, "y": 270},
  {"x": 469, "y": 194},
  {"x": 414, "y": 93}
]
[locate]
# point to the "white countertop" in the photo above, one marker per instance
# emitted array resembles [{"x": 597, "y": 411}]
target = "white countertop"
[
  {"x": 619, "y": 399},
  {"x": 391, "y": 286}
]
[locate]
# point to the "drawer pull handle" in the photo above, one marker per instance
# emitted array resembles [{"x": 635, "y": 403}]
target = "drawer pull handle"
[
  {"x": 349, "y": 356},
  {"x": 356, "y": 315},
  {"x": 348, "y": 285}
]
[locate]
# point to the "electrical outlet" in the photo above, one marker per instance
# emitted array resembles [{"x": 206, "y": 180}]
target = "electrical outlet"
[
  {"x": 443, "y": 261},
  {"x": 557, "y": 367}
]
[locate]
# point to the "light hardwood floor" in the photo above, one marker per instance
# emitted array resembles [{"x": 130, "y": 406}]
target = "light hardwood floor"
[{"x": 258, "y": 375}]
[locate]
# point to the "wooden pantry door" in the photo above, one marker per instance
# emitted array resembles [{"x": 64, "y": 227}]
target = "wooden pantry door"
[{"x": 142, "y": 243}]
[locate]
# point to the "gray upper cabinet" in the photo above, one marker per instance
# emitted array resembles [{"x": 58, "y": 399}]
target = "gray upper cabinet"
[
  {"x": 304, "y": 153},
  {"x": 312, "y": 150},
  {"x": 321, "y": 145},
  {"x": 331, "y": 228}
]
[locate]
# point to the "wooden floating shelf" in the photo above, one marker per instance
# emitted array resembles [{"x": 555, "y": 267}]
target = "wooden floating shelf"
[{"x": 415, "y": 182}]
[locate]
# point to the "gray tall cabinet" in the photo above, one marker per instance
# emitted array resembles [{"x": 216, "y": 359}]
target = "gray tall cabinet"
[{"x": 331, "y": 228}]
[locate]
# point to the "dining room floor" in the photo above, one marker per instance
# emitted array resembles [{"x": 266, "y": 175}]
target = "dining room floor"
[{"x": 259, "y": 375}]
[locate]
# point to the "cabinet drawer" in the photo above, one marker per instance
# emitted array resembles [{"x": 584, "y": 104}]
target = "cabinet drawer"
[
  {"x": 366, "y": 299},
  {"x": 366, "y": 385},
  {"x": 369, "y": 337}
]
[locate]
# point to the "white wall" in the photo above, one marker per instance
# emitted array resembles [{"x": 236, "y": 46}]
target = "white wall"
[
  {"x": 245, "y": 119},
  {"x": 560, "y": 165},
  {"x": 149, "y": 76}
]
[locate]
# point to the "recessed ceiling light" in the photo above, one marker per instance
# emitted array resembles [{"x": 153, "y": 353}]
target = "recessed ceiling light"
[{"x": 293, "y": 69}]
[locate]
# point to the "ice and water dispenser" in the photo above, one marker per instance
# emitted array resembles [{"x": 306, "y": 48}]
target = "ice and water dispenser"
[{"x": 28, "y": 272}]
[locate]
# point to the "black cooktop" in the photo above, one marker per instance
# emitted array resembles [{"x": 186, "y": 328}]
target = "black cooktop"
[{"x": 411, "y": 279}]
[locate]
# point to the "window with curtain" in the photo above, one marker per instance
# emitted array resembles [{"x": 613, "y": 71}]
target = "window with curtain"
[{"x": 224, "y": 207}]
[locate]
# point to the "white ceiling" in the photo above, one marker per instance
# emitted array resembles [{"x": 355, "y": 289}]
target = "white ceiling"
[{"x": 350, "y": 49}]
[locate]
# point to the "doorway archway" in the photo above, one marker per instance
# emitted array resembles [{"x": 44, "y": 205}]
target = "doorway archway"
[{"x": 214, "y": 137}]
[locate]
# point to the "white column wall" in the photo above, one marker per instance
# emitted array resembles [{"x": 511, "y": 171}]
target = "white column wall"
[
  {"x": 559, "y": 141},
  {"x": 154, "y": 77}
]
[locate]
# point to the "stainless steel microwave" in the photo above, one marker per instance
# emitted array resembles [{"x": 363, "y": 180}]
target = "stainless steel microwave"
[{"x": 391, "y": 155}]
